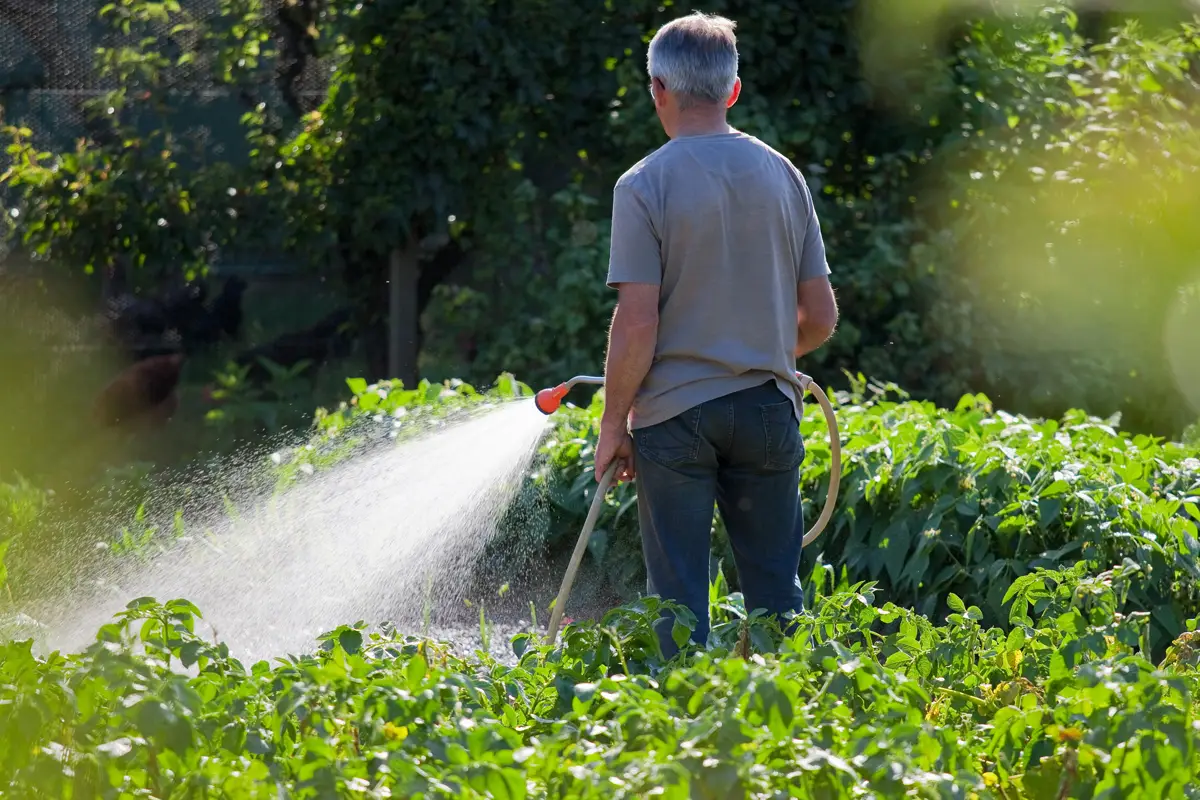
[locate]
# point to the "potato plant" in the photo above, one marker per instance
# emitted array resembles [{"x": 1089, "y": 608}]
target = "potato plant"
[
  {"x": 940, "y": 501},
  {"x": 1070, "y": 671},
  {"x": 863, "y": 699}
]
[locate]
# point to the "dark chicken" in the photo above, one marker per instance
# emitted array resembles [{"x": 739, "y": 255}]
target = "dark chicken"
[
  {"x": 301, "y": 352},
  {"x": 226, "y": 310},
  {"x": 182, "y": 318},
  {"x": 158, "y": 332},
  {"x": 202, "y": 325},
  {"x": 328, "y": 338},
  {"x": 144, "y": 395}
]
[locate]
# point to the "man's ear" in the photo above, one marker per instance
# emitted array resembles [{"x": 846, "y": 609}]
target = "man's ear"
[
  {"x": 658, "y": 91},
  {"x": 735, "y": 94}
]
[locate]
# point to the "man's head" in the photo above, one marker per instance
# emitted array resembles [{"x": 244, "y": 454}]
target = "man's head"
[{"x": 693, "y": 64}]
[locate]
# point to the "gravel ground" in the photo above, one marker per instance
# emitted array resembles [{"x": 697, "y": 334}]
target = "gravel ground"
[
  {"x": 465, "y": 641},
  {"x": 509, "y": 616}
]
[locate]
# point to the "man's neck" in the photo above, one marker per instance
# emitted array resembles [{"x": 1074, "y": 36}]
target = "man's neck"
[{"x": 704, "y": 123}]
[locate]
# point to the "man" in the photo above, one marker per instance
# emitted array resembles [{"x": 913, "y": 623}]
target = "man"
[{"x": 722, "y": 283}]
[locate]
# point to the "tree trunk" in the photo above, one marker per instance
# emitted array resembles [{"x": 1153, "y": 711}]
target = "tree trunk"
[{"x": 404, "y": 319}]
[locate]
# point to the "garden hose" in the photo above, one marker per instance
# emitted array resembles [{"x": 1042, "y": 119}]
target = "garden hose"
[
  {"x": 548, "y": 401},
  {"x": 564, "y": 591}
]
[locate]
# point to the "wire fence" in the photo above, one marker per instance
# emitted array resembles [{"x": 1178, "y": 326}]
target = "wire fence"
[
  {"x": 47, "y": 69},
  {"x": 47, "y": 75}
]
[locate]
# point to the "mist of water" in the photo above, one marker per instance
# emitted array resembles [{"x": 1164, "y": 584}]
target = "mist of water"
[{"x": 385, "y": 534}]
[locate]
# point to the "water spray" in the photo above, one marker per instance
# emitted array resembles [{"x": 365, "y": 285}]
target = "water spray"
[{"x": 548, "y": 401}]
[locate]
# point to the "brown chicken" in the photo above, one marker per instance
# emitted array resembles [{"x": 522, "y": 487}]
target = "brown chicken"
[{"x": 144, "y": 395}]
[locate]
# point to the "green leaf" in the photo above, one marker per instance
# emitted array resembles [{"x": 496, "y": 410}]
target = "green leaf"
[
  {"x": 1071, "y": 622},
  {"x": 417, "y": 668},
  {"x": 161, "y": 724},
  {"x": 506, "y": 784},
  {"x": 680, "y": 633},
  {"x": 350, "y": 640},
  {"x": 1048, "y": 511},
  {"x": 189, "y": 653},
  {"x": 1056, "y": 488}
]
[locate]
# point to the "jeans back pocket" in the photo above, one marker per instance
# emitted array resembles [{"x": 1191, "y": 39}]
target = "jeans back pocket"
[
  {"x": 672, "y": 442},
  {"x": 784, "y": 444}
]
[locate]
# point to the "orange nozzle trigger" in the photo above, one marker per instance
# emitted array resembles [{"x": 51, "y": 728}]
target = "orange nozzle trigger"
[{"x": 548, "y": 400}]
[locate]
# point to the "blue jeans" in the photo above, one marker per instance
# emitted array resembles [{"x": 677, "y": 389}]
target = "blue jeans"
[{"x": 741, "y": 452}]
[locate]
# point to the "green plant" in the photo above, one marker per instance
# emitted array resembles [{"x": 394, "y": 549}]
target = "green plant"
[
  {"x": 245, "y": 408},
  {"x": 982, "y": 201},
  {"x": 1089, "y": 153},
  {"x": 936, "y": 502},
  {"x": 21, "y": 503},
  {"x": 1060, "y": 673},
  {"x": 983, "y": 196},
  {"x": 864, "y": 698},
  {"x": 554, "y": 321},
  {"x": 139, "y": 538},
  {"x": 966, "y": 501},
  {"x": 425, "y": 162}
]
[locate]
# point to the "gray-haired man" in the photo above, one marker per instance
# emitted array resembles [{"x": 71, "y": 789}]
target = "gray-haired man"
[{"x": 722, "y": 283}]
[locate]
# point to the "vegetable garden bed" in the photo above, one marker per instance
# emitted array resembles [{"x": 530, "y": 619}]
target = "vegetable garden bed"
[
  {"x": 864, "y": 700},
  {"x": 1004, "y": 607}
]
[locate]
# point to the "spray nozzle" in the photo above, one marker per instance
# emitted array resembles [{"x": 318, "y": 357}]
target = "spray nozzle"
[{"x": 548, "y": 400}]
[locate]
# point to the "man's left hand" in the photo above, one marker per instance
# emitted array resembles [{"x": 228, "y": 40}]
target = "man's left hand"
[{"x": 615, "y": 445}]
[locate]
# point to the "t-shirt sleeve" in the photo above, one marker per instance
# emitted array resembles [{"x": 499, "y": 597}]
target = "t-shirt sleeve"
[
  {"x": 635, "y": 252},
  {"x": 813, "y": 262}
]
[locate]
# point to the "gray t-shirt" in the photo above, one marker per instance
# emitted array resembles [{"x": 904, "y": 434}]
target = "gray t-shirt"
[{"x": 725, "y": 225}]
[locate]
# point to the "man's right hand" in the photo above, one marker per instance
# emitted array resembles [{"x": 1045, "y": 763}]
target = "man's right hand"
[{"x": 615, "y": 444}]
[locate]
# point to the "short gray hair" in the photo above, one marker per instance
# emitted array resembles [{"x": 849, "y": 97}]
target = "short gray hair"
[{"x": 695, "y": 57}]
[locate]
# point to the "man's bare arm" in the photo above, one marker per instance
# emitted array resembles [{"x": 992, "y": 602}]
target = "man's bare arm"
[
  {"x": 631, "y": 343},
  {"x": 816, "y": 314}
]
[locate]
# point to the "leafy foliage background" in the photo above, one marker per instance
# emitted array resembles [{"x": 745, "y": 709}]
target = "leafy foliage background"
[
  {"x": 991, "y": 191},
  {"x": 1006, "y": 602}
]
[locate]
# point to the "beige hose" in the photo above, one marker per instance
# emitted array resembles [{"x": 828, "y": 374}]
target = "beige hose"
[
  {"x": 564, "y": 591},
  {"x": 835, "y": 475},
  {"x": 835, "y": 462}
]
